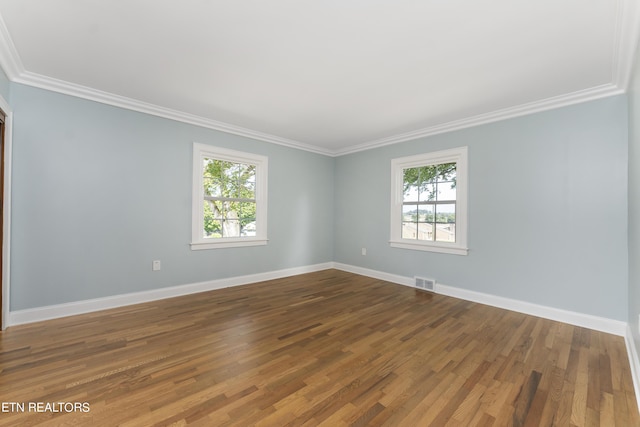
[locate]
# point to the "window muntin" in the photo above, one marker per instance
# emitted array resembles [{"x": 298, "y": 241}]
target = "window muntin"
[
  {"x": 229, "y": 198},
  {"x": 428, "y": 209},
  {"x": 429, "y": 202}
]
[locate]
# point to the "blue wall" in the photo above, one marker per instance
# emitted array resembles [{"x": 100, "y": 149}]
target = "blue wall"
[
  {"x": 99, "y": 192},
  {"x": 547, "y": 210},
  {"x": 4, "y": 85},
  {"x": 634, "y": 202}
]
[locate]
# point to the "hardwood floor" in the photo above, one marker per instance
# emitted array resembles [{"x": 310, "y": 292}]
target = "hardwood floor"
[{"x": 327, "y": 348}]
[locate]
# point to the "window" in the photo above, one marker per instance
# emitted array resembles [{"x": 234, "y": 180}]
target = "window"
[
  {"x": 229, "y": 198},
  {"x": 429, "y": 202}
]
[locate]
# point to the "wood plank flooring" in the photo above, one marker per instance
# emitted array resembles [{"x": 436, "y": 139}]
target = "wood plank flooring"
[{"x": 328, "y": 348}]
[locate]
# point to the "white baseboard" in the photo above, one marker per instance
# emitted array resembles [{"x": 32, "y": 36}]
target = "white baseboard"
[
  {"x": 610, "y": 326},
  {"x": 31, "y": 315},
  {"x": 62, "y": 310},
  {"x": 602, "y": 324},
  {"x": 634, "y": 362},
  {"x": 614, "y": 327},
  {"x": 393, "y": 278}
]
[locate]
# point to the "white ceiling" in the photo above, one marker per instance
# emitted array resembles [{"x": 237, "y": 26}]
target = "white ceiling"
[{"x": 331, "y": 76}]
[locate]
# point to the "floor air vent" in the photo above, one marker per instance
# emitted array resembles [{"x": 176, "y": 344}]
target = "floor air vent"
[{"x": 425, "y": 284}]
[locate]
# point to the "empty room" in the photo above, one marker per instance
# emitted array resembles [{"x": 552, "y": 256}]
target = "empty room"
[{"x": 288, "y": 213}]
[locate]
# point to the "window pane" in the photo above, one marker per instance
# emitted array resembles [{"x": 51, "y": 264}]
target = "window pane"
[
  {"x": 411, "y": 176},
  {"x": 243, "y": 178},
  {"x": 409, "y": 230},
  {"x": 213, "y": 209},
  {"x": 411, "y": 193},
  {"x": 446, "y": 212},
  {"x": 426, "y": 174},
  {"x": 248, "y": 229},
  {"x": 447, "y": 172},
  {"x": 446, "y": 191},
  {"x": 212, "y": 228},
  {"x": 212, "y": 188},
  {"x": 247, "y": 217},
  {"x": 231, "y": 228},
  {"x": 245, "y": 210},
  {"x": 426, "y": 213},
  {"x": 232, "y": 173},
  {"x": 446, "y": 232},
  {"x": 446, "y": 218},
  {"x": 428, "y": 192},
  {"x": 249, "y": 190},
  {"x": 219, "y": 209},
  {"x": 232, "y": 210},
  {"x": 409, "y": 213},
  {"x": 425, "y": 231},
  {"x": 248, "y": 177},
  {"x": 211, "y": 178},
  {"x": 416, "y": 180},
  {"x": 220, "y": 178}
]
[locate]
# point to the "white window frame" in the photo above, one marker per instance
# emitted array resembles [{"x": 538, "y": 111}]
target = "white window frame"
[
  {"x": 460, "y": 157},
  {"x": 198, "y": 241}
]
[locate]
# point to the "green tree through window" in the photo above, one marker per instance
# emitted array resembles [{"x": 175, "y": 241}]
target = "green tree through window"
[
  {"x": 429, "y": 202},
  {"x": 230, "y": 199}
]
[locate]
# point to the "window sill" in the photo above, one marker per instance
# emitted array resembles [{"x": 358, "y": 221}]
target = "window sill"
[
  {"x": 197, "y": 246},
  {"x": 441, "y": 248}
]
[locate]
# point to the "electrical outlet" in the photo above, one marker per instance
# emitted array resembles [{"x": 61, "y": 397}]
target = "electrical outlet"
[
  {"x": 364, "y": 251},
  {"x": 156, "y": 265}
]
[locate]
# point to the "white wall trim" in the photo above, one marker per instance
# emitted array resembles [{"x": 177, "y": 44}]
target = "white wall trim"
[
  {"x": 458, "y": 155},
  {"x": 584, "y": 320},
  {"x": 601, "y": 324},
  {"x": 9, "y": 59},
  {"x": 201, "y": 152},
  {"x": 634, "y": 362},
  {"x": 6, "y": 214},
  {"x": 43, "y": 82},
  {"x": 393, "y": 278},
  {"x": 31, "y": 315},
  {"x": 626, "y": 42},
  {"x": 626, "y": 35},
  {"x": 13, "y": 67},
  {"x": 578, "y": 97}
]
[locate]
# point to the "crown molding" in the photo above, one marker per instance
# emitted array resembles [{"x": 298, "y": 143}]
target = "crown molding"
[
  {"x": 67, "y": 88},
  {"x": 494, "y": 116},
  {"x": 14, "y": 69},
  {"x": 627, "y": 30},
  {"x": 9, "y": 59},
  {"x": 72, "y": 89}
]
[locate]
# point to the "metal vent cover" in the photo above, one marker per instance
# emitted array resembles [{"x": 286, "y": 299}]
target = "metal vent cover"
[{"x": 425, "y": 284}]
